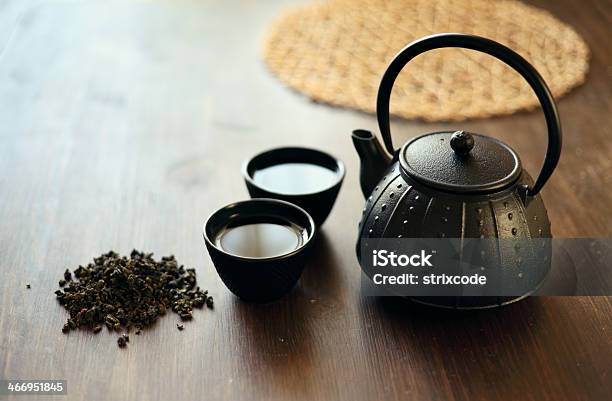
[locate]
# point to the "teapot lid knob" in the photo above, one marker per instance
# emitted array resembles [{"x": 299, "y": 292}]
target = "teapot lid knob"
[{"x": 462, "y": 142}]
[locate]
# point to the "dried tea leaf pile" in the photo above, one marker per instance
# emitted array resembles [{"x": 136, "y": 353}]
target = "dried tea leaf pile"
[{"x": 121, "y": 292}]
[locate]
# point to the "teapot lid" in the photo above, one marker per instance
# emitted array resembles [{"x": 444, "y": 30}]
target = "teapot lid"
[{"x": 460, "y": 162}]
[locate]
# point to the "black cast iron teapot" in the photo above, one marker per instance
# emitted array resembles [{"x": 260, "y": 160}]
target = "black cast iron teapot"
[{"x": 455, "y": 184}]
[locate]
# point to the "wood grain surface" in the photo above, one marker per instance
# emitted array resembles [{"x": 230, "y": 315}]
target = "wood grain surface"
[{"x": 123, "y": 124}]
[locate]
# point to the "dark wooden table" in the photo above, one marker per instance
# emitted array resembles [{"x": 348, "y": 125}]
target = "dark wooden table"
[{"x": 124, "y": 124}]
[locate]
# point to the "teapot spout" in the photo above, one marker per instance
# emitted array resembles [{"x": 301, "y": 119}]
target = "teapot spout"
[{"x": 374, "y": 160}]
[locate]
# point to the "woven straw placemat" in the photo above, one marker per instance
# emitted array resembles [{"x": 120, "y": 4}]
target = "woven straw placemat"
[{"x": 336, "y": 52}]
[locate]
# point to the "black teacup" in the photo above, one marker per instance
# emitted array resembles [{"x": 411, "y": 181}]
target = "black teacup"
[
  {"x": 306, "y": 177},
  {"x": 259, "y": 247}
]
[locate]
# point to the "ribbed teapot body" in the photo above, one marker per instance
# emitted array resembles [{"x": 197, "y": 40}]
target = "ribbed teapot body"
[{"x": 401, "y": 207}]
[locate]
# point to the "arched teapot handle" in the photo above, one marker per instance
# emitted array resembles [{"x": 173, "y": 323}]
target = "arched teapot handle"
[{"x": 496, "y": 50}]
